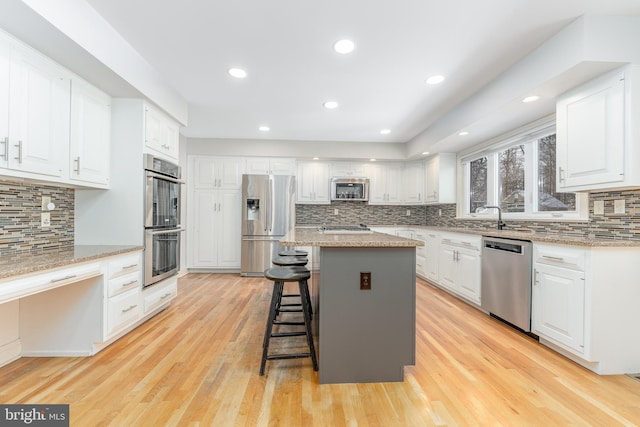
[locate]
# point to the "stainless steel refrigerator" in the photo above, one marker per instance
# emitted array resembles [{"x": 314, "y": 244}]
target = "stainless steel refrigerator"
[{"x": 268, "y": 212}]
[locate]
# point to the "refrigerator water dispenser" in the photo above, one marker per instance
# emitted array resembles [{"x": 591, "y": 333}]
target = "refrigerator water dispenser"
[{"x": 253, "y": 209}]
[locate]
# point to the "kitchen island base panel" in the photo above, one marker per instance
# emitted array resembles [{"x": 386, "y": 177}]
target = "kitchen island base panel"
[{"x": 366, "y": 335}]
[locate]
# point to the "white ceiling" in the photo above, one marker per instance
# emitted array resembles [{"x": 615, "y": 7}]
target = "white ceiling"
[{"x": 286, "y": 48}]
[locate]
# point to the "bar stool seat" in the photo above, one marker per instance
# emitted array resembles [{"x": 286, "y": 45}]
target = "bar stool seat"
[
  {"x": 293, "y": 252},
  {"x": 295, "y": 263},
  {"x": 280, "y": 275},
  {"x": 289, "y": 261}
]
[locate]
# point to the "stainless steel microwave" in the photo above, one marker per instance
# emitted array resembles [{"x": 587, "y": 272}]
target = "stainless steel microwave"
[{"x": 349, "y": 188}]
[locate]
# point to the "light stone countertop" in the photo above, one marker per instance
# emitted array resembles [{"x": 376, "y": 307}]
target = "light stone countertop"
[
  {"x": 312, "y": 237},
  {"x": 555, "y": 238},
  {"x": 19, "y": 263}
]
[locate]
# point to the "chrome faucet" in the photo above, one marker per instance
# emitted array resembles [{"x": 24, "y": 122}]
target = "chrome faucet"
[{"x": 500, "y": 223}]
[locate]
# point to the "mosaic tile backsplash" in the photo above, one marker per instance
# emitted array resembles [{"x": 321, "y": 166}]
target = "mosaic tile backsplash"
[
  {"x": 607, "y": 226},
  {"x": 20, "y": 209}
]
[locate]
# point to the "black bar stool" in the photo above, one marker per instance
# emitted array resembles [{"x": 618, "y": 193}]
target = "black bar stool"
[
  {"x": 292, "y": 252},
  {"x": 280, "y": 275},
  {"x": 297, "y": 263}
]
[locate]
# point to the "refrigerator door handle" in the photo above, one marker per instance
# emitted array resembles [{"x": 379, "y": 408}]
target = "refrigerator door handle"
[{"x": 266, "y": 208}]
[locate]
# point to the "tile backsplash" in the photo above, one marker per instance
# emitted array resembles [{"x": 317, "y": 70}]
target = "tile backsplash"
[
  {"x": 607, "y": 226},
  {"x": 20, "y": 209}
]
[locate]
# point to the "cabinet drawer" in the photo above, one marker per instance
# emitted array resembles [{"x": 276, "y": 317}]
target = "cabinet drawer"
[
  {"x": 124, "y": 283},
  {"x": 124, "y": 265},
  {"x": 159, "y": 295},
  {"x": 124, "y": 309},
  {"x": 462, "y": 240},
  {"x": 561, "y": 256}
]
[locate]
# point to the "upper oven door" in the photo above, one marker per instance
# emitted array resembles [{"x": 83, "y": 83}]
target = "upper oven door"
[{"x": 162, "y": 204}]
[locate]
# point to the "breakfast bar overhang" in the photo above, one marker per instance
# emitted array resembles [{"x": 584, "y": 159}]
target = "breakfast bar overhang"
[{"x": 364, "y": 305}]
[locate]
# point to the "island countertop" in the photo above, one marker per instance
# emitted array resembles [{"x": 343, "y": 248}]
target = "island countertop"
[{"x": 313, "y": 237}]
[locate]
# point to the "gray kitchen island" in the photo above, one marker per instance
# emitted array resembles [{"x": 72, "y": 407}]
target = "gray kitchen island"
[{"x": 363, "y": 293}]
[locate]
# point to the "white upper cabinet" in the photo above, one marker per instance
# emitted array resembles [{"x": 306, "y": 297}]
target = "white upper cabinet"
[
  {"x": 271, "y": 166},
  {"x": 598, "y": 141},
  {"x": 414, "y": 182},
  {"x": 162, "y": 134},
  {"x": 90, "y": 134},
  {"x": 344, "y": 168},
  {"x": 386, "y": 183},
  {"x": 313, "y": 183},
  {"x": 39, "y": 104},
  {"x": 217, "y": 173},
  {"x": 440, "y": 186}
]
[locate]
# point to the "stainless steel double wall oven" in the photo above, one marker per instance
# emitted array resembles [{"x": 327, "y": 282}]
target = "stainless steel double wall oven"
[{"x": 162, "y": 219}]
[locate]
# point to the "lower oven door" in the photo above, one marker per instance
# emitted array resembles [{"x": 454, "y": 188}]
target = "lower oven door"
[{"x": 162, "y": 254}]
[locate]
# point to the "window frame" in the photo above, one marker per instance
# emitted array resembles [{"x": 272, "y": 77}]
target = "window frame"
[{"x": 491, "y": 151}]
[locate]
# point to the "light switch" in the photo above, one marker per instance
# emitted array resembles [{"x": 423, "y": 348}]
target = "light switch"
[
  {"x": 45, "y": 219},
  {"x": 618, "y": 206},
  {"x": 45, "y": 202},
  {"x": 598, "y": 207}
]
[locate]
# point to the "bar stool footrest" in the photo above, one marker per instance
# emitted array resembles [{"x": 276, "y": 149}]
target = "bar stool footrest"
[{"x": 288, "y": 356}]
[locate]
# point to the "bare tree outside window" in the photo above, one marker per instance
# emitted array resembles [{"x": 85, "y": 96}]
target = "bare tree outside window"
[
  {"x": 477, "y": 184},
  {"x": 548, "y": 199},
  {"x": 511, "y": 179}
]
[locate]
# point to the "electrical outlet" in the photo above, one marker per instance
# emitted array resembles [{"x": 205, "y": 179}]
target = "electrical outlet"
[
  {"x": 598, "y": 207},
  {"x": 618, "y": 206},
  {"x": 335, "y": 211},
  {"x": 45, "y": 203},
  {"x": 45, "y": 219},
  {"x": 439, "y": 212},
  {"x": 365, "y": 280},
  {"x": 408, "y": 212}
]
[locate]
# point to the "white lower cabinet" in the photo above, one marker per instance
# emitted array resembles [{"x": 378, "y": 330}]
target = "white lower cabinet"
[
  {"x": 123, "y": 286},
  {"x": 159, "y": 295},
  {"x": 459, "y": 265},
  {"x": 558, "y": 306},
  {"x": 432, "y": 257}
]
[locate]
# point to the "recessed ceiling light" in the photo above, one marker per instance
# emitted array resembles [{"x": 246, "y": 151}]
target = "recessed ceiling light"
[
  {"x": 330, "y": 105},
  {"x": 316, "y": 158},
  {"x": 385, "y": 131},
  {"x": 264, "y": 128},
  {"x": 372, "y": 160},
  {"x": 463, "y": 133},
  {"x": 344, "y": 46},
  {"x": 238, "y": 73},
  {"x": 434, "y": 80},
  {"x": 531, "y": 98},
  {"x": 424, "y": 153}
]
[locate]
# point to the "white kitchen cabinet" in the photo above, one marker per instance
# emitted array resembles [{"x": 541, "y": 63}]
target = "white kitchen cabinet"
[
  {"x": 271, "y": 166},
  {"x": 386, "y": 184},
  {"x": 414, "y": 183},
  {"x": 222, "y": 173},
  {"x": 558, "y": 305},
  {"x": 350, "y": 169},
  {"x": 440, "y": 185},
  {"x": 421, "y": 252},
  {"x": 39, "y": 104},
  {"x": 312, "y": 183},
  {"x": 160, "y": 295},
  {"x": 214, "y": 233},
  {"x": 432, "y": 256},
  {"x": 90, "y": 134},
  {"x": 590, "y": 144},
  {"x": 161, "y": 134},
  {"x": 123, "y": 283},
  {"x": 459, "y": 265}
]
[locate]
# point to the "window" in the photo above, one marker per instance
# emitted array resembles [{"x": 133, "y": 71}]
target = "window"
[{"x": 519, "y": 175}]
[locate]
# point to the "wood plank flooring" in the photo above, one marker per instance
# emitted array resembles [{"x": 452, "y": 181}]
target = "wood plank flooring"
[{"x": 197, "y": 363}]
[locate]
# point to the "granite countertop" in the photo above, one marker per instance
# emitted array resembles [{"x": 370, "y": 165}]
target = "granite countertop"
[
  {"x": 312, "y": 237},
  {"x": 557, "y": 238},
  {"x": 19, "y": 263}
]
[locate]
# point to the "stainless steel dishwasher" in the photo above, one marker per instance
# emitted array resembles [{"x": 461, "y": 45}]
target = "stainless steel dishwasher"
[{"x": 506, "y": 280}]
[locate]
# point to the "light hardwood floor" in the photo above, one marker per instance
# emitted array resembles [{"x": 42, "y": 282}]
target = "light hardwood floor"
[{"x": 197, "y": 363}]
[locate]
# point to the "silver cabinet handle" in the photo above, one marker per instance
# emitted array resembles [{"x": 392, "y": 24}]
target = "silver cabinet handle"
[
  {"x": 6, "y": 148},
  {"x": 131, "y": 307},
  {"x": 165, "y": 295},
  {"x": 129, "y": 266},
  {"x": 554, "y": 258},
  {"x": 63, "y": 278},
  {"x": 560, "y": 174},
  {"x": 129, "y": 283},
  {"x": 77, "y": 160},
  {"x": 19, "y": 145},
  {"x": 535, "y": 278}
]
